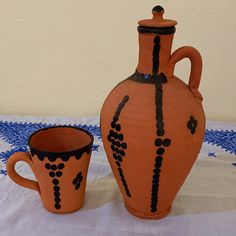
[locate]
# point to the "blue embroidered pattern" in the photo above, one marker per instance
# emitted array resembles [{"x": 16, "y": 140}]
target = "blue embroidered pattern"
[
  {"x": 226, "y": 139},
  {"x": 16, "y": 134},
  {"x": 3, "y": 172}
]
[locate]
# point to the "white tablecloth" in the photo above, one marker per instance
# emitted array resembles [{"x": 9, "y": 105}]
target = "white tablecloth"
[{"x": 205, "y": 205}]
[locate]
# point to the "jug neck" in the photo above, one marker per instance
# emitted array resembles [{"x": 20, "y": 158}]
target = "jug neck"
[{"x": 154, "y": 52}]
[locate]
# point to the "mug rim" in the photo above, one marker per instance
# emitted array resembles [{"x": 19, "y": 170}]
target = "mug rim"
[{"x": 71, "y": 152}]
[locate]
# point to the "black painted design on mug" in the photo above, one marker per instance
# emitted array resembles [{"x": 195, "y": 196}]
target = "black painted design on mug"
[
  {"x": 55, "y": 171},
  {"x": 118, "y": 145},
  {"x": 77, "y": 180},
  {"x": 192, "y": 125},
  {"x": 64, "y": 156}
]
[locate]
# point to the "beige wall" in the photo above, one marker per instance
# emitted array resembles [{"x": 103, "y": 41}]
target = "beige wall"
[{"x": 62, "y": 57}]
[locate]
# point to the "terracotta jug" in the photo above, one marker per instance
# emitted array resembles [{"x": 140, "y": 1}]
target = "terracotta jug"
[{"x": 153, "y": 123}]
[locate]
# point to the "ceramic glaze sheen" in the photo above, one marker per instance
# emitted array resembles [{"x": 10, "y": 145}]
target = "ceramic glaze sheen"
[{"x": 153, "y": 123}]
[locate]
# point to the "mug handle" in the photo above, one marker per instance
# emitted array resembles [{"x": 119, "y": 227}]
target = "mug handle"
[
  {"x": 21, "y": 156},
  {"x": 196, "y": 67}
]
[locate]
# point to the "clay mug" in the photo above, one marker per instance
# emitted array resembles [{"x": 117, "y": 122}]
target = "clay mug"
[{"x": 59, "y": 159}]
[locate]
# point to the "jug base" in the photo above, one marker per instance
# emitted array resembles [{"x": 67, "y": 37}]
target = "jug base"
[{"x": 151, "y": 216}]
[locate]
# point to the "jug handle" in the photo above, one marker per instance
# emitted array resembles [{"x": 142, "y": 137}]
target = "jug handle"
[{"x": 196, "y": 67}]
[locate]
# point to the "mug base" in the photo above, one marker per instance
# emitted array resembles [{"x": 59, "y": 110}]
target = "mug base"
[
  {"x": 151, "y": 216},
  {"x": 63, "y": 211}
]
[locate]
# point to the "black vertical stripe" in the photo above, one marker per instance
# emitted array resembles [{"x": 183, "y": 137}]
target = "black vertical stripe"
[{"x": 155, "y": 54}]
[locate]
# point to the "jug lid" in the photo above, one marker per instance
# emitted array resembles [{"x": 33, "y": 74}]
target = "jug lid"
[{"x": 157, "y": 21}]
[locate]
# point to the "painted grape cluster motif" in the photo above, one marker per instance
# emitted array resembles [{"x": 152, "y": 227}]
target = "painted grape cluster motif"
[{"x": 118, "y": 145}]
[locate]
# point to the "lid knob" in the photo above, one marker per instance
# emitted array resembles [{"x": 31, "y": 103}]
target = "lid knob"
[
  {"x": 158, "y": 9},
  {"x": 158, "y": 12}
]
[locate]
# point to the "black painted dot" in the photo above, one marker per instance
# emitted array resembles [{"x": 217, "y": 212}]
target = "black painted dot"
[
  {"x": 57, "y": 206},
  {"x": 55, "y": 181},
  {"x": 75, "y": 181},
  {"x": 119, "y": 158},
  {"x": 116, "y": 135},
  {"x": 114, "y": 156},
  {"x": 156, "y": 171},
  {"x": 124, "y": 145},
  {"x": 123, "y": 178},
  {"x": 111, "y": 132},
  {"x": 60, "y": 166},
  {"x": 118, "y": 163},
  {"x": 77, "y": 186},
  {"x": 154, "y": 205},
  {"x": 115, "y": 118},
  {"x": 58, "y": 173},
  {"x": 112, "y": 147},
  {"x": 57, "y": 199},
  {"x": 154, "y": 189},
  {"x": 126, "y": 98},
  {"x": 109, "y": 138},
  {"x": 113, "y": 141},
  {"x": 51, "y": 174},
  {"x": 160, "y": 132},
  {"x": 160, "y": 151},
  {"x": 48, "y": 166},
  {"x": 57, "y": 194},
  {"x": 122, "y": 152},
  {"x": 117, "y": 113},
  {"x": 118, "y": 127},
  {"x": 166, "y": 142},
  {"x": 120, "y": 172},
  {"x": 154, "y": 198},
  {"x": 120, "y": 137},
  {"x": 113, "y": 124},
  {"x": 158, "y": 142},
  {"x": 117, "y": 150},
  {"x": 159, "y": 159},
  {"x": 155, "y": 180},
  {"x": 157, "y": 165},
  {"x": 53, "y": 167},
  {"x": 56, "y": 188},
  {"x": 117, "y": 144}
]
